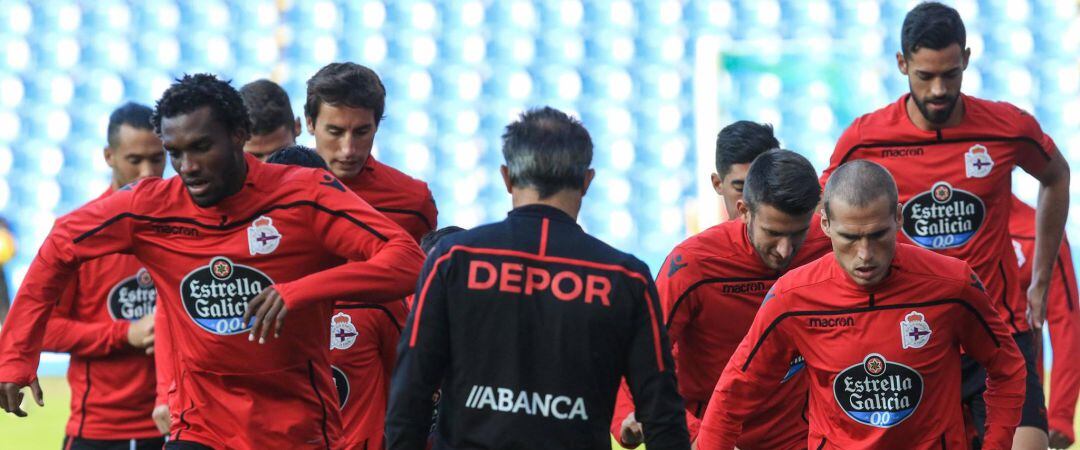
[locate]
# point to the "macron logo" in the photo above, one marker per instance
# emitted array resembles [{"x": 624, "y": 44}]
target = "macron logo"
[{"x": 506, "y": 400}]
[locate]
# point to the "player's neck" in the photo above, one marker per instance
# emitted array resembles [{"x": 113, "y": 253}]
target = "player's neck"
[
  {"x": 566, "y": 200},
  {"x": 916, "y": 117}
]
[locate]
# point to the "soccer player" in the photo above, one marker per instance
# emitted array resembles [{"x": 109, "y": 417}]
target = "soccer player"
[
  {"x": 1062, "y": 318},
  {"x": 953, "y": 156},
  {"x": 880, "y": 327},
  {"x": 529, "y": 324},
  {"x": 273, "y": 125},
  {"x": 736, "y": 147},
  {"x": 712, "y": 284},
  {"x": 345, "y": 104},
  {"x": 105, "y": 316},
  {"x": 247, "y": 259}
]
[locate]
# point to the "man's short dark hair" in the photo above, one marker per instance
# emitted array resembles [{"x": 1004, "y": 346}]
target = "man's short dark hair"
[
  {"x": 132, "y": 114},
  {"x": 741, "y": 142},
  {"x": 298, "y": 155},
  {"x": 191, "y": 92},
  {"x": 931, "y": 25},
  {"x": 268, "y": 107},
  {"x": 784, "y": 180},
  {"x": 345, "y": 84},
  {"x": 430, "y": 240},
  {"x": 547, "y": 150},
  {"x": 859, "y": 183}
]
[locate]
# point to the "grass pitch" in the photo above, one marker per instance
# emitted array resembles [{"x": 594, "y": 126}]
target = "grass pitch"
[{"x": 43, "y": 429}]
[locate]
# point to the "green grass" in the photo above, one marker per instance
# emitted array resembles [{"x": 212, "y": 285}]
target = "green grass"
[{"x": 44, "y": 427}]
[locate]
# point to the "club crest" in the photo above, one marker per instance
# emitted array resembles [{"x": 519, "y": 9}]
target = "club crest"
[
  {"x": 977, "y": 162},
  {"x": 263, "y": 238},
  {"x": 914, "y": 331},
  {"x": 342, "y": 332}
]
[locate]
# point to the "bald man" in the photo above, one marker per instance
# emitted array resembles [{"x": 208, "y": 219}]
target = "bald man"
[{"x": 880, "y": 326}]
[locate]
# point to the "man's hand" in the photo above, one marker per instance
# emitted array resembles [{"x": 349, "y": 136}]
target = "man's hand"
[
  {"x": 141, "y": 333},
  {"x": 1059, "y": 440},
  {"x": 265, "y": 308},
  {"x": 630, "y": 433},
  {"x": 11, "y": 397},
  {"x": 1036, "y": 295},
  {"x": 161, "y": 418}
]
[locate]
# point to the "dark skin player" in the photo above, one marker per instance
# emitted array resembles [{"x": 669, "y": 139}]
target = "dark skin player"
[{"x": 209, "y": 159}]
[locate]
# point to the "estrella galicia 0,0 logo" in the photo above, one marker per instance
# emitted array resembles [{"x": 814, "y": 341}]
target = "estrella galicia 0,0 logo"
[
  {"x": 878, "y": 392},
  {"x": 216, "y": 295}
]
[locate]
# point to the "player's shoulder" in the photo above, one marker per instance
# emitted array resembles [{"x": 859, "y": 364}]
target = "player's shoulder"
[
  {"x": 1002, "y": 115},
  {"x": 400, "y": 180},
  {"x": 930, "y": 265},
  {"x": 809, "y": 275},
  {"x": 718, "y": 241},
  {"x": 154, "y": 191},
  {"x": 292, "y": 179},
  {"x": 879, "y": 120}
]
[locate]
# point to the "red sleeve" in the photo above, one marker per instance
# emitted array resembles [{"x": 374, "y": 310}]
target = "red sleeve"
[
  {"x": 674, "y": 281},
  {"x": 383, "y": 261},
  {"x": 1063, "y": 319},
  {"x": 758, "y": 365},
  {"x": 844, "y": 145},
  {"x": 75, "y": 238},
  {"x": 624, "y": 405},
  {"x": 430, "y": 211},
  {"x": 1033, "y": 159},
  {"x": 64, "y": 333},
  {"x": 986, "y": 339},
  {"x": 163, "y": 357},
  {"x": 390, "y": 334}
]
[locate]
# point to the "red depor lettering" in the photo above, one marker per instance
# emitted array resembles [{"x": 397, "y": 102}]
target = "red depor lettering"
[
  {"x": 597, "y": 286},
  {"x": 536, "y": 279},
  {"x": 516, "y": 278},
  {"x": 474, "y": 268},
  {"x": 557, "y": 282},
  {"x": 511, "y": 273}
]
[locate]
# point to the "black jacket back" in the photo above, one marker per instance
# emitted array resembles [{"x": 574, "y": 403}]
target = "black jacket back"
[{"x": 528, "y": 325}]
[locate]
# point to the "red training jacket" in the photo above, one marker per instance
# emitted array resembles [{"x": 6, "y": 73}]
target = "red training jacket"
[
  {"x": 955, "y": 184},
  {"x": 364, "y": 336},
  {"x": 1062, "y": 317},
  {"x": 883, "y": 363},
  {"x": 298, "y": 230},
  {"x": 112, "y": 383},
  {"x": 711, "y": 287}
]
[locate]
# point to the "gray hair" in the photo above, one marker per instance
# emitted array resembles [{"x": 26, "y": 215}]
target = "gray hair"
[
  {"x": 859, "y": 183},
  {"x": 547, "y": 150}
]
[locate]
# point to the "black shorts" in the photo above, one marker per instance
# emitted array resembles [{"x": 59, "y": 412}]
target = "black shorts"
[
  {"x": 973, "y": 384},
  {"x": 74, "y": 443},
  {"x": 185, "y": 445}
]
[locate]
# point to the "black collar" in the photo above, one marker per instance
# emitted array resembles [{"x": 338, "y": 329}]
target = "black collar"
[{"x": 542, "y": 211}]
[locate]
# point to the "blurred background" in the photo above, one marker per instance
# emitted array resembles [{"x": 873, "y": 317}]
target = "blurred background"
[{"x": 653, "y": 80}]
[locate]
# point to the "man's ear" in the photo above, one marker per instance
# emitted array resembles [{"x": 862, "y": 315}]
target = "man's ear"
[
  {"x": 744, "y": 210},
  {"x": 505, "y": 172},
  {"x": 899, "y": 215},
  {"x": 297, "y": 127},
  {"x": 109, "y": 157},
  {"x": 967, "y": 57},
  {"x": 589, "y": 175},
  {"x": 240, "y": 137},
  {"x": 901, "y": 63},
  {"x": 310, "y": 125},
  {"x": 716, "y": 182}
]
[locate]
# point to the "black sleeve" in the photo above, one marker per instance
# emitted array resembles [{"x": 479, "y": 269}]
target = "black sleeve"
[
  {"x": 651, "y": 373},
  {"x": 423, "y": 355}
]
